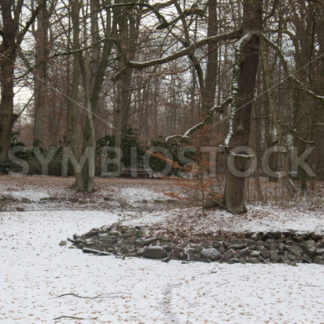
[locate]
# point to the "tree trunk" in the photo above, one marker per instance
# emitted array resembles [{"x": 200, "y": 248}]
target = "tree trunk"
[
  {"x": 209, "y": 90},
  {"x": 40, "y": 80},
  {"x": 6, "y": 104},
  {"x": 7, "y": 67},
  {"x": 319, "y": 130},
  {"x": 248, "y": 65}
]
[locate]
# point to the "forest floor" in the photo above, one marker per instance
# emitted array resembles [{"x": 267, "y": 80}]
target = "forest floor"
[{"x": 43, "y": 282}]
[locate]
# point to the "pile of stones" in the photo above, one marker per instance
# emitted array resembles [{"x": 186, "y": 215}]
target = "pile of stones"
[{"x": 288, "y": 247}]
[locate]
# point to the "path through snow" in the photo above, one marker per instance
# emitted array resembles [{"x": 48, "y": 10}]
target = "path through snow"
[{"x": 34, "y": 269}]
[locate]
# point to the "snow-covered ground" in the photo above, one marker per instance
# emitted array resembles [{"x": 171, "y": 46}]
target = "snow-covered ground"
[
  {"x": 32, "y": 195},
  {"x": 35, "y": 270},
  {"x": 258, "y": 219}
]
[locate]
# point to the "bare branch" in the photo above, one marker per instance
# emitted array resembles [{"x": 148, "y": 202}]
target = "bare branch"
[
  {"x": 189, "y": 12},
  {"x": 290, "y": 75},
  {"x": 209, "y": 115},
  {"x": 151, "y": 8},
  {"x": 218, "y": 38},
  {"x": 21, "y": 35}
]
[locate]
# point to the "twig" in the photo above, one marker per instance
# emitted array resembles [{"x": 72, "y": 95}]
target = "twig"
[
  {"x": 74, "y": 317},
  {"x": 94, "y": 297}
]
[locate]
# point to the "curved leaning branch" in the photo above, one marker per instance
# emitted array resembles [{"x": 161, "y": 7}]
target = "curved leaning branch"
[
  {"x": 209, "y": 115},
  {"x": 230, "y": 101}
]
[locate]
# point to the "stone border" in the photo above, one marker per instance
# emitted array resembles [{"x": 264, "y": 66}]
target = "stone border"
[{"x": 288, "y": 247}]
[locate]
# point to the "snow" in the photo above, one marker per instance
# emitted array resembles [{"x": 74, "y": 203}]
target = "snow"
[
  {"x": 35, "y": 270},
  {"x": 258, "y": 219},
  {"x": 32, "y": 195},
  {"x": 134, "y": 195}
]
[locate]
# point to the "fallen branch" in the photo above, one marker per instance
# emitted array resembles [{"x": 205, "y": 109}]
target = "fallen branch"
[
  {"x": 219, "y": 202},
  {"x": 94, "y": 297},
  {"x": 93, "y": 251},
  {"x": 75, "y": 318}
]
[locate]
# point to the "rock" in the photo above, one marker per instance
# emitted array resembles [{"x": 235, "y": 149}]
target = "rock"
[
  {"x": 321, "y": 244},
  {"x": 319, "y": 230},
  {"x": 26, "y": 201},
  {"x": 300, "y": 236},
  {"x": 251, "y": 260},
  {"x": 295, "y": 250},
  {"x": 114, "y": 233},
  {"x": 139, "y": 242},
  {"x": 217, "y": 244},
  {"x": 167, "y": 247},
  {"x": 92, "y": 233},
  {"x": 244, "y": 252},
  {"x": 103, "y": 235},
  {"x": 257, "y": 236},
  {"x": 154, "y": 252},
  {"x": 260, "y": 246},
  {"x": 149, "y": 241},
  {"x": 255, "y": 253},
  {"x": 20, "y": 209},
  {"x": 274, "y": 235},
  {"x": 167, "y": 259},
  {"x": 320, "y": 251},
  {"x": 274, "y": 257},
  {"x": 316, "y": 236},
  {"x": 238, "y": 246},
  {"x": 110, "y": 240},
  {"x": 309, "y": 248},
  {"x": 190, "y": 253},
  {"x": 265, "y": 254},
  {"x": 49, "y": 199},
  {"x": 211, "y": 253},
  {"x": 234, "y": 260},
  {"x": 159, "y": 201},
  {"x": 306, "y": 259},
  {"x": 319, "y": 260},
  {"x": 140, "y": 252}
]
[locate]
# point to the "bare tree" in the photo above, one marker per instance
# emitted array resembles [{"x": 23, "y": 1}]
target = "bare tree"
[{"x": 12, "y": 33}]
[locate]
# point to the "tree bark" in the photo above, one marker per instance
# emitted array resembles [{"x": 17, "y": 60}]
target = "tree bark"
[
  {"x": 248, "y": 64},
  {"x": 40, "y": 80},
  {"x": 12, "y": 36}
]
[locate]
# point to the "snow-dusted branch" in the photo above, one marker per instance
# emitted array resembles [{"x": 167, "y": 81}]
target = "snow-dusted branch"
[
  {"x": 218, "y": 38},
  {"x": 209, "y": 115},
  {"x": 188, "y": 12},
  {"x": 235, "y": 84},
  {"x": 290, "y": 75}
]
